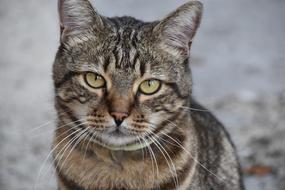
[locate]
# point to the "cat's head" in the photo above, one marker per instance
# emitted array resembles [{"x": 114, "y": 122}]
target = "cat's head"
[{"x": 121, "y": 78}]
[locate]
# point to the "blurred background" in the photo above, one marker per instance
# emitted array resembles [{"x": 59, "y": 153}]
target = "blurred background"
[{"x": 238, "y": 63}]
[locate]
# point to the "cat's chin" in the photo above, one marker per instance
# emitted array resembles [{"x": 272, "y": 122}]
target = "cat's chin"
[{"x": 117, "y": 139}]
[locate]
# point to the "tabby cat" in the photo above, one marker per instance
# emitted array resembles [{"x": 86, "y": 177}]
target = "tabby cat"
[{"x": 126, "y": 119}]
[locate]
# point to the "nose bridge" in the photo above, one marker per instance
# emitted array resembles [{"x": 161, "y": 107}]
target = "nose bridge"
[
  {"x": 120, "y": 101},
  {"x": 121, "y": 97}
]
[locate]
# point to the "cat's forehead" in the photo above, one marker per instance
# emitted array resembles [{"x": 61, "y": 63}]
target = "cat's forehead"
[
  {"x": 125, "y": 54},
  {"x": 122, "y": 79}
]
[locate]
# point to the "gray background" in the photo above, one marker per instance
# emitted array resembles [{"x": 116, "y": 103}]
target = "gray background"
[{"x": 238, "y": 65}]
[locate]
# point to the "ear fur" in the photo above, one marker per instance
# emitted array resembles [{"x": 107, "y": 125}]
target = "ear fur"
[
  {"x": 76, "y": 16},
  {"x": 177, "y": 30}
]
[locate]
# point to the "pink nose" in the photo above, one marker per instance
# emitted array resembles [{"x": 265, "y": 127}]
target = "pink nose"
[{"x": 119, "y": 117}]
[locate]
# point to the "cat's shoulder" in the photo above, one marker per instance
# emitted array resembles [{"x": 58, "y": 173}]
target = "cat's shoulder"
[{"x": 205, "y": 120}]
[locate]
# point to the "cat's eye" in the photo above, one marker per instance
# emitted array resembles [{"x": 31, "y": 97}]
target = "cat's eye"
[
  {"x": 150, "y": 87},
  {"x": 94, "y": 80}
]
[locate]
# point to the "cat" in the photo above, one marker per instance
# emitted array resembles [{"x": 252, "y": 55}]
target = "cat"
[{"x": 126, "y": 118}]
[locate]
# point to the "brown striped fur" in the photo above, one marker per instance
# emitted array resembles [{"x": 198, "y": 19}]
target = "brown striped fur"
[{"x": 188, "y": 149}]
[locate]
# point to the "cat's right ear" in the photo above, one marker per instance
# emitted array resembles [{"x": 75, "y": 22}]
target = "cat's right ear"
[{"x": 77, "y": 16}]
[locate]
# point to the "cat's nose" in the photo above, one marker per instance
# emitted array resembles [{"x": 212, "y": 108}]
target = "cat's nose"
[{"x": 119, "y": 117}]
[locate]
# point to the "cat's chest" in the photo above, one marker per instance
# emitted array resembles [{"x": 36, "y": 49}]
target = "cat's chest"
[{"x": 105, "y": 169}]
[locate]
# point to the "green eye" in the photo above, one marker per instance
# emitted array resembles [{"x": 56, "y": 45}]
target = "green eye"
[
  {"x": 150, "y": 87},
  {"x": 94, "y": 80}
]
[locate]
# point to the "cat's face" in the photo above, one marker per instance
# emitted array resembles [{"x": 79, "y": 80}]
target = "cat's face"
[{"x": 121, "y": 79}]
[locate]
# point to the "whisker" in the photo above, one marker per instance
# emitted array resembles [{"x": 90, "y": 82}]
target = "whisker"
[
  {"x": 79, "y": 131},
  {"x": 69, "y": 143},
  {"x": 94, "y": 135},
  {"x": 194, "y": 109},
  {"x": 153, "y": 161},
  {"x": 61, "y": 153},
  {"x": 41, "y": 126},
  {"x": 81, "y": 136},
  {"x": 142, "y": 150},
  {"x": 45, "y": 124},
  {"x": 193, "y": 158},
  {"x": 48, "y": 156},
  {"x": 57, "y": 128},
  {"x": 162, "y": 150}
]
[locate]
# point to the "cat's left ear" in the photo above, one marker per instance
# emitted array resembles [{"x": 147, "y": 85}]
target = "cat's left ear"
[{"x": 177, "y": 30}]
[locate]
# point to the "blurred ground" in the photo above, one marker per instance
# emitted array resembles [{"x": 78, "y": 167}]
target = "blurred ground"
[{"x": 238, "y": 67}]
